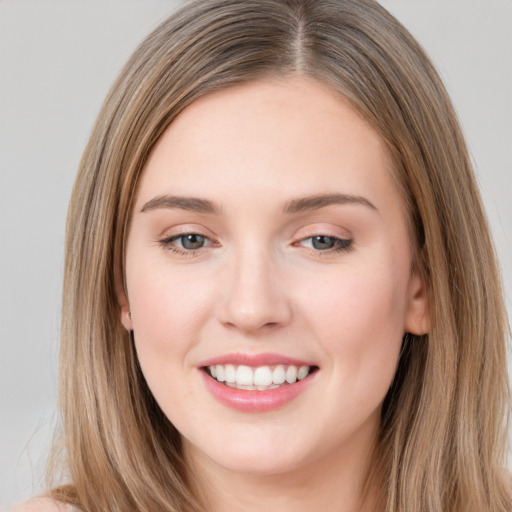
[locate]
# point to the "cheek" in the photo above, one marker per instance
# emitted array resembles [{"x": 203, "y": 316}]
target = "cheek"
[
  {"x": 168, "y": 310},
  {"x": 168, "y": 315},
  {"x": 359, "y": 320},
  {"x": 359, "y": 302}
]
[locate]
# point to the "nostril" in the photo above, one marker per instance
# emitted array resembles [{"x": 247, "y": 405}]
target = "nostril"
[{"x": 251, "y": 300}]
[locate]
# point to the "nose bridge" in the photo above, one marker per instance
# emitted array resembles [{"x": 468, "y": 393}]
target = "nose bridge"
[{"x": 254, "y": 297}]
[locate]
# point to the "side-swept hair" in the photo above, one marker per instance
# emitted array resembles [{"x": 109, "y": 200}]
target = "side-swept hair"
[{"x": 443, "y": 429}]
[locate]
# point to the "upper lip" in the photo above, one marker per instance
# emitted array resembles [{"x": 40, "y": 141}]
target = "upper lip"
[{"x": 266, "y": 359}]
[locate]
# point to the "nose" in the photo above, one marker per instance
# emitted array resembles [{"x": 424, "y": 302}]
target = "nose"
[{"x": 253, "y": 296}]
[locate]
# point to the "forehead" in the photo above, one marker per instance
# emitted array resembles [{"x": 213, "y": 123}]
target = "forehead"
[{"x": 294, "y": 136}]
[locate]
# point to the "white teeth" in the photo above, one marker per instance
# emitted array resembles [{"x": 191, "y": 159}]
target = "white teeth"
[
  {"x": 260, "y": 378},
  {"x": 279, "y": 375},
  {"x": 303, "y": 372},
  {"x": 230, "y": 373},
  {"x": 244, "y": 376},
  {"x": 219, "y": 372},
  {"x": 251, "y": 388},
  {"x": 291, "y": 374}
]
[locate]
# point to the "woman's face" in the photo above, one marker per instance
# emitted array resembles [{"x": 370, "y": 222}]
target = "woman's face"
[{"x": 269, "y": 246}]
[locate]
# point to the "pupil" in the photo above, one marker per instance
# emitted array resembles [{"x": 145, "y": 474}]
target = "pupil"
[
  {"x": 193, "y": 241},
  {"x": 323, "y": 242}
]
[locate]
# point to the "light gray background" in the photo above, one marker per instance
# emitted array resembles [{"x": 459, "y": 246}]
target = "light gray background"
[{"x": 57, "y": 60}]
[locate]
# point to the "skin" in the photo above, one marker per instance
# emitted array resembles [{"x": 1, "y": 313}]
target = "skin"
[{"x": 260, "y": 285}]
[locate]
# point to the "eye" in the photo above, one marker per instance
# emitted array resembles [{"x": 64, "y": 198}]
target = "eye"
[
  {"x": 186, "y": 242},
  {"x": 323, "y": 243},
  {"x": 192, "y": 241}
]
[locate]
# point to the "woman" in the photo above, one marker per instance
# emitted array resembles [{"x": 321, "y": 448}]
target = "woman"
[{"x": 280, "y": 287}]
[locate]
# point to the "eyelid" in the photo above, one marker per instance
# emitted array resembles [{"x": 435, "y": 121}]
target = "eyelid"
[
  {"x": 340, "y": 244},
  {"x": 322, "y": 229},
  {"x": 170, "y": 236},
  {"x": 343, "y": 239},
  {"x": 183, "y": 235},
  {"x": 184, "y": 228}
]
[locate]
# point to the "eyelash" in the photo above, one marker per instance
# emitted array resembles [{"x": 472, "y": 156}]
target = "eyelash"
[
  {"x": 340, "y": 244},
  {"x": 168, "y": 243}
]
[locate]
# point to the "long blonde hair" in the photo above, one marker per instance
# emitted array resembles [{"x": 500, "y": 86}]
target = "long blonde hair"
[{"x": 443, "y": 431}]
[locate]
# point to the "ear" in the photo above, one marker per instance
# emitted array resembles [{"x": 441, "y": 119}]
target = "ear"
[
  {"x": 417, "y": 318},
  {"x": 124, "y": 304}
]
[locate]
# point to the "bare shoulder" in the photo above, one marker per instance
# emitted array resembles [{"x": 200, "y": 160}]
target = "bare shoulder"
[{"x": 43, "y": 504}]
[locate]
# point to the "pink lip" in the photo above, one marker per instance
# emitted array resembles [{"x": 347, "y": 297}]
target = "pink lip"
[
  {"x": 267, "y": 359},
  {"x": 255, "y": 401}
]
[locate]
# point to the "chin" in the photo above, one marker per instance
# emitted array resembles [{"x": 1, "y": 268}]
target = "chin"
[
  {"x": 260, "y": 457},
  {"x": 258, "y": 465}
]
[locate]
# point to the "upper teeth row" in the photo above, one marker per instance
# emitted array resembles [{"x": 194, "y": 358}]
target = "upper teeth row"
[{"x": 259, "y": 376}]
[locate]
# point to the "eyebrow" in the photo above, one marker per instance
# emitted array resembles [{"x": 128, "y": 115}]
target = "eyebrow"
[
  {"x": 318, "y": 201},
  {"x": 192, "y": 204},
  {"x": 300, "y": 205}
]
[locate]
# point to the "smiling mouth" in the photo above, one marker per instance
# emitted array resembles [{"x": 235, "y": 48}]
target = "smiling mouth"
[{"x": 260, "y": 378}]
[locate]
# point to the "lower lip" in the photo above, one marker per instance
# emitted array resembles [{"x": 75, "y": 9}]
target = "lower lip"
[{"x": 256, "y": 401}]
